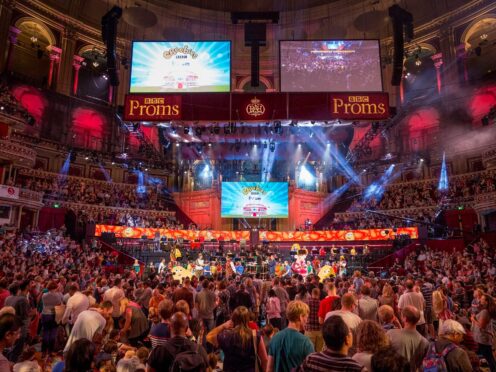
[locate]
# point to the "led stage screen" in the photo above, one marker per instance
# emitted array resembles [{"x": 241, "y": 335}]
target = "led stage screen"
[
  {"x": 254, "y": 200},
  {"x": 330, "y": 66},
  {"x": 188, "y": 67}
]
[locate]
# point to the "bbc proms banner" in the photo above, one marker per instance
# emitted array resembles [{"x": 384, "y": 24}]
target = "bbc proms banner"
[
  {"x": 9, "y": 192},
  {"x": 257, "y": 107}
]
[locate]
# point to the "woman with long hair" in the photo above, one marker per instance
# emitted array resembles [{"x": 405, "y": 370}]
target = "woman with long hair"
[
  {"x": 388, "y": 297},
  {"x": 482, "y": 327},
  {"x": 238, "y": 342},
  {"x": 371, "y": 338},
  {"x": 273, "y": 309}
]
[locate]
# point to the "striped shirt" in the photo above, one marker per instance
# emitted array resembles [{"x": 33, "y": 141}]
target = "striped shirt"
[
  {"x": 159, "y": 334},
  {"x": 328, "y": 361},
  {"x": 427, "y": 289}
]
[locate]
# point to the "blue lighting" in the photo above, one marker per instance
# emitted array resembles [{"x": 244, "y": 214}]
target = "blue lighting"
[{"x": 443, "y": 178}]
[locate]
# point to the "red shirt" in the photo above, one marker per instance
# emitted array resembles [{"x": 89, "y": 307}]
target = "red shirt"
[{"x": 326, "y": 305}]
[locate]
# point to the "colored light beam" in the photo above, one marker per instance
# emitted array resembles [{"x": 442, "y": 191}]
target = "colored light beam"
[
  {"x": 376, "y": 189},
  {"x": 105, "y": 173},
  {"x": 443, "y": 177}
]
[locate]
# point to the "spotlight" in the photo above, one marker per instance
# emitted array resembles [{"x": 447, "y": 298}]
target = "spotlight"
[
  {"x": 209, "y": 145},
  {"x": 2, "y": 108},
  {"x": 86, "y": 158},
  {"x": 422, "y": 160},
  {"x": 186, "y": 130},
  {"x": 328, "y": 144},
  {"x": 113, "y": 163},
  {"x": 418, "y": 62},
  {"x": 177, "y": 144},
  {"x": 299, "y": 145},
  {"x": 146, "y": 169},
  {"x": 483, "y": 36},
  {"x": 105, "y": 76}
]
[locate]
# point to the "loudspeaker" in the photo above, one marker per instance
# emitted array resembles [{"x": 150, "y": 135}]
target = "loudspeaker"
[
  {"x": 255, "y": 65},
  {"x": 398, "y": 53},
  {"x": 109, "y": 36},
  {"x": 255, "y": 32}
]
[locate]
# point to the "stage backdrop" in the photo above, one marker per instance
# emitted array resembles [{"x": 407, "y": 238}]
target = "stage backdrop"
[
  {"x": 138, "y": 232},
  {"x": 337, "y": 235}
]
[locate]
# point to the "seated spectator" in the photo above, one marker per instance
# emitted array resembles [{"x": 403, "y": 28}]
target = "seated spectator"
[
  {"x": 288, "y": 348},
  {"x": 163, "y": 357},
  {"x": 238, "y": 342},
  {"x": 338, "y": 339},
  {"x": 408, "y": 342}
]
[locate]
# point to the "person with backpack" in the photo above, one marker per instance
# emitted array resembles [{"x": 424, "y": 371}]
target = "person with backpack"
[
  {"x": 178, "y": 353},
  {"x": 445, "y": 354}
]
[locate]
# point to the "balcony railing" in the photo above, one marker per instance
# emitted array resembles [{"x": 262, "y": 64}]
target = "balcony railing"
[{"x": 17, "y": 153}]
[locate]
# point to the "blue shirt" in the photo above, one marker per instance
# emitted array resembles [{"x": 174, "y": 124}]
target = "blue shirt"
[{"x": 289, "y": 348}]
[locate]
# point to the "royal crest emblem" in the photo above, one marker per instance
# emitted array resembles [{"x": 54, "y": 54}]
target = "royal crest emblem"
[{"x": 255, "y": 108}]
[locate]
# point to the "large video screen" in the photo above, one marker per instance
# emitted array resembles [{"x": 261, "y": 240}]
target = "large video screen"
[
  {"x": 330, "y": 66},
  {"x": 254, "y": 200},
  {"x": 173, "y": 66}
]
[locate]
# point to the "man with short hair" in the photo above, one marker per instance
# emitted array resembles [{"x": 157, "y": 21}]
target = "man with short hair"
[
  {"x": 283, "y": 297},
  {"x": 326, "y": 305},
  {"x": 115, "y": 295},
  {"x": 288, "y": 348},
  {"x": 76, "y": 304},
  {"x": 90, "y": 324},
  {"x": 19, "y": 301},
  {"x": 10, "y": 331},
  {"x": 415, "y": 299},
  {"x": 312, "y": 330},
  {"x": 338, "y": 340},
  {"x": 162, "y": 357},
  {"x": 347, "y": 312},
  {"x": 408, "y": 342},
  {"x": 205, "y": 304},
  {"x": 367, "y": 306},
  {"x": 184, "y": 293}
]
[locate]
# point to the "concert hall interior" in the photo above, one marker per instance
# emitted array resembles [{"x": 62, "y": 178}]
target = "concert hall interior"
[{"x": 202, "y": 169}]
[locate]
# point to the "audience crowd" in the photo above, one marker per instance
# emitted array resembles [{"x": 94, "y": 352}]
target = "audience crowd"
[{"x": 69, "y": 307}]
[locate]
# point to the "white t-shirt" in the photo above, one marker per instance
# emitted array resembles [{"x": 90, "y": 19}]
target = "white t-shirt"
[
  {"x": 114, "y": 295},
  {"x": 414, "y": 299},
  {"x": 88, "y": 323},
  {"x": 351, "y": 319},
  {"x": 76, "y": 304}
]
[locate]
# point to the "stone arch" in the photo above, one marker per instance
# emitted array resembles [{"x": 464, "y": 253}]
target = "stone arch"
[
  {"x": 483, "y": 21},
  {"x": 263, "y": 80},
  {"x": 26, "y": 23}
]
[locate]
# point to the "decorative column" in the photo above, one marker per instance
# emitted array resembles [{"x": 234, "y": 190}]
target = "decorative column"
[
  {"x": 13, "y": 34},
  {"x": 54, "y": 54},
  {"x": 76, "y": 65},
  {"x": 6, "y": 12},
  {"x": 66, "y": 62},
  {"x": 438, "y": 62},
  {"x": 461, "y": 59}
]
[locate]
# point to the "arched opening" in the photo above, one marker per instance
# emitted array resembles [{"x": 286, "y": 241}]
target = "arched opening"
[
  {"x": 30, "y": 59},
  {"x": 93, "y": 80}
]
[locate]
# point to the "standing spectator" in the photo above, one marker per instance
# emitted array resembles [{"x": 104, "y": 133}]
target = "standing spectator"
[
  {"x": 162, "y": 357},
  {"x": 90, "y": 324},
  {"x": 326, "y": 305},
  {"x": 49, "y": 300},
  {"x": 283, "y": 296},
  {"x": 451, "y": 334},
  {"x": 273, "y": 309},
  {"x": 388, "y": 297},
  {"x": 10, "y": 331},
  {"x": 387, "y": 319},
  {"x": 415, "y": 299},
  {"x": 482, "y": 327},
  {"x": 427, "y": 288},
  {"x": 347, "y": 312},
  {"x": 206, "y": 302},
  {"x": 313, "y": 330},
  {"x": 222, "y": 312},
  {"x": 135, "y": 326},
  {"x": 240, "y": 298},
  {"x": 288, "y": 348},
  {"x": 238, "y": 342},
  {"x": 338, "y": 339},
  {"x": 184, "y": 293},
  {"x": 4, "y": 293},
  {"x": 115, "y": 295},
  {"x": 19, "y": 301},
  {"x": 143, "y": 294},
  {"x": 160, "y": 332},
  {"x": 367, "y": 306},
  {"x": 370, "y": 339},
  {"x": 76, "y": 304},
  {"x": 408, "y": 342}
]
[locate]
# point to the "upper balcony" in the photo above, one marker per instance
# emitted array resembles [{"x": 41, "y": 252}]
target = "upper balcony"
[{"x": 19, "y": 154}]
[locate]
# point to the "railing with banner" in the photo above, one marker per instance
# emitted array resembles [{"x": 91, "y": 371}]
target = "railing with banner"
[
  {"x": 338, "y": 235},
  {"x": 192, "y": 235}
]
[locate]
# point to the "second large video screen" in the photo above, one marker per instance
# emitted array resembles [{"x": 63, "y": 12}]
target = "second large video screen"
[
  {"x": 254, "y": 200},
  {"x": 180, "y": 67},
  {"x": 330, "y": 66}
]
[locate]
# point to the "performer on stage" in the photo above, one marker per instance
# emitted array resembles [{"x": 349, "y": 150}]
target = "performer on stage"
[
  {"x": 239, "y": 268},
  {"x": 300, "y": 265},
  {"x": 162, "y": 266},
  {"x": 342, "y": 266},
  {"x": 272, "y": 265},
  {"x": 199, "y": 264}
]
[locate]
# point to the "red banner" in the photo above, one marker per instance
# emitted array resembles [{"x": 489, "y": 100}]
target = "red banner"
[
  {"x": 138, "y": 232},
  {"x": 152, "y": 107},
  {"x": 256, "y": 107},
  {"x": 359, "y": 106},
  {"x": 337, "y": 235}
]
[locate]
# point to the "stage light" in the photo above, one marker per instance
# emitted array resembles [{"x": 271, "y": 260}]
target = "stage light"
[
  {"x": 113, "y": 163},
  {"x": 483, "y": 36},
  {"x": 209, "y": 145},
  {"x": 177, "y": 144},
  {"x": 2, "y": 108},
  {"x": 272, "y": 146},
  {"x": 86, "y": 158},
  {"x": 186, "y": 130},
  {"x": 328, "y": 144},
  {"x": 146, "y": 169},
  {"x": 306, "y": 178},
  {"x": 422, "y": 160},
  {"x": 299, "y": 145},
  {"x": 418, "y": 62}
]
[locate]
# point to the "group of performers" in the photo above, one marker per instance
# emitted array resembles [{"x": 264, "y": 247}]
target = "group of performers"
[{"x": 258, "y": 261}]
